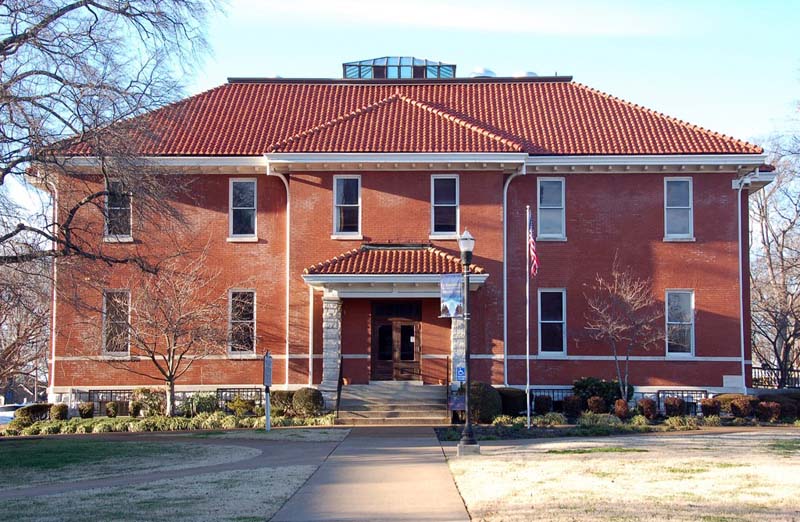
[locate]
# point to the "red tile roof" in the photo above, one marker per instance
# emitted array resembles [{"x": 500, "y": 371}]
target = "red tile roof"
[
  {"x": 388, "y": 259},
  {"x": 537, "y": 116}
]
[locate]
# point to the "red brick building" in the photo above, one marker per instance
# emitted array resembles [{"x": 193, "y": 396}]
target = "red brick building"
[{"x": 331, "y": 208}]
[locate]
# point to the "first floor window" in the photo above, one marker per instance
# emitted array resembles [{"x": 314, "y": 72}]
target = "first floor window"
[
  {"x": 444, "y": 205},
  {"x": 552, "y": 321},
  {"x": 347, "y": 205},
  {"x": 118, "y": 210},
  {"x": 116, "y": 312},
  {"x": 551, "y": 213},
  {"x": 242, "y": 321},
  {"x": 678, "y": 219},
  {"x": 680, "y": 322},
  {"x": 243, "y": 208}
]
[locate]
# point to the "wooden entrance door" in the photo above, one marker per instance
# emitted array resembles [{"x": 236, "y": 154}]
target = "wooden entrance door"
[{"x": 395, "y": 350}]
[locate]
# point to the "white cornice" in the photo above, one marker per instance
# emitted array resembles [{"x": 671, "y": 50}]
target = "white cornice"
[
  {"x": 384, "y": 278},
  {"x": 398, "y": 157},
  {"x": 743, "y": 160}
]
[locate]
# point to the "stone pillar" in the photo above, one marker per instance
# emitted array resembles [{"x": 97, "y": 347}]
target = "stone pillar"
[
  {"x": 458, "y": 346},
  {"x": 331, "y": 346}
]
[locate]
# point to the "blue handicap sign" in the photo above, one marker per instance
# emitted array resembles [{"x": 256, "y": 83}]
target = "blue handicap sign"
[{"x": 461, "y": 374}]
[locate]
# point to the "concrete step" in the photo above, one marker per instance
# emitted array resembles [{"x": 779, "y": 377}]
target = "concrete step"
[
  {"x": 396, "y": 414},
  {"x": 395, "y": 421},
  {"x": 387, "y": 406},
  {"x": 395, "y": 392}
]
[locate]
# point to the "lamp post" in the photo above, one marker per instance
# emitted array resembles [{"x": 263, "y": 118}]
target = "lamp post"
[{"x": 467, "y": 445}]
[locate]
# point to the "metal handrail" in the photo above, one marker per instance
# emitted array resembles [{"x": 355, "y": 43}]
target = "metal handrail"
[
  {"x": 766, "y": 377},
  {"x": 339, "y": 385}
]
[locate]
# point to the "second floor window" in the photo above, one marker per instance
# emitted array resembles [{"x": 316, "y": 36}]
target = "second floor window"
[
  {"x": 347, "y": 205},
  {"x": 551, "y": 215},
  {"x": 444, "y": 205},
  {"x": 116, "y": 312},
  {"x": 242, "y": 325},
  {"x": 118, "y": 211},
  {"x": 678, "y": 219},
  {"x": 242, "y": 208}
]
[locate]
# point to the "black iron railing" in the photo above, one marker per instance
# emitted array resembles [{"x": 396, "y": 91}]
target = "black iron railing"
[
  {"x": 764, "y": 377},
  {"x": 101, "y": 397},
  {"x": 691, "y": 399}
]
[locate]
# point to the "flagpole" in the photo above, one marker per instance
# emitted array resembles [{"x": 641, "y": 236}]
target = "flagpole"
[{"x": 528, "y": 315}]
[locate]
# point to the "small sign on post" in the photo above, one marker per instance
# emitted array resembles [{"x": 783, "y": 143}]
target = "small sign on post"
[
  {"x": 461, "y": 374},
  {"x": 267, "y": 384}
]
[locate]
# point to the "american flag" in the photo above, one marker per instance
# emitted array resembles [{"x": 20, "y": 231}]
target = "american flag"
[{"x": 532, "y": 257}]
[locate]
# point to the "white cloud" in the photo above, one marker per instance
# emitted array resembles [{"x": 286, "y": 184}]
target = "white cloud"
[{"x": 579, "y": 18}]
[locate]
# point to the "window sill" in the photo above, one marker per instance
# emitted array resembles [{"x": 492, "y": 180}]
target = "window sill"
[
  {"x": 552, "y": 239},
  {"x": 551, "y": 355},
  {"x": 243, "y": 239},
  {"x": 118, "y": 239},
  {"x": 244, "y": 356},
  {"x": 679, "y": 239},
  {"x": 116, "y": 356},
  {"x": 345, "y": 237},
  {"x": 679, "y": 356}
]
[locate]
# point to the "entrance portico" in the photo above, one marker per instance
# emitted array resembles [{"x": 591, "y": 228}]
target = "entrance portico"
[{"x": 380, "y": 315}]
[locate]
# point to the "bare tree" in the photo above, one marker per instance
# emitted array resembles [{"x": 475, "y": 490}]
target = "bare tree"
[
  {"x": 76, "y": 76},
  {"x": 24, "y": 327},
  {"x": 623, "y": 312},
  {"x": 165, "y": 324},
  {"x": 775, "y": 271}
]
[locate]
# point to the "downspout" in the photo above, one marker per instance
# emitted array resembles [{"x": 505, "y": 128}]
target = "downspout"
[
  {"x": 288, "y": 244},
  {"x": 744, "y": 182},
  {"x": 52, "y": 376},
  {"x": 522, "y": 172}
]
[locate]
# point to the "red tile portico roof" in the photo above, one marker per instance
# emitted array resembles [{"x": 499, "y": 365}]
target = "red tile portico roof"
[
  {"x": 539, "y": 116},
  {"x": 391, "y": 260}
]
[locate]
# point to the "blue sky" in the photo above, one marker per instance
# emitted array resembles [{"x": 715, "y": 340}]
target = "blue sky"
[{"x": 731, "y": 66}]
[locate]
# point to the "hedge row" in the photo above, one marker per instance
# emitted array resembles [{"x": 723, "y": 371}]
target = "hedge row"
[{"x": 203, "y": 421}]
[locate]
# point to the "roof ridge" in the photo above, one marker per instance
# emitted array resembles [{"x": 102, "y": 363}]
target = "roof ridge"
[
  {"x": 683, "y": 123},
  {"x": 474, "y": 127},
  {"x": 335, "y": 121}
]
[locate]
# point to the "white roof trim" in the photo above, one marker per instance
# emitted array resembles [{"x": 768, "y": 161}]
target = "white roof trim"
[
  {"x": 636, "y": 159},
  {"x": 384, "y": 278},
  {"x": 399, "y": 157}
]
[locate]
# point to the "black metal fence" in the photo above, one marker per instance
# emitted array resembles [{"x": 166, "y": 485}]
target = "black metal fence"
[
  {"x": 225, "y": 395},
  {"x": 771, "y": 378},
  {"x": 101, "y": 397}
]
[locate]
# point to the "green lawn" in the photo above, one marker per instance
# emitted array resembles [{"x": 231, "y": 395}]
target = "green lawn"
[{"x": 37, "y": 461}]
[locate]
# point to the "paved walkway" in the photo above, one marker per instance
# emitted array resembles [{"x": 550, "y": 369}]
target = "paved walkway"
[{"x": 380, "y": 474}]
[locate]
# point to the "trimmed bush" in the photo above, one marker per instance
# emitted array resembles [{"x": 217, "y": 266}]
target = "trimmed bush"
[
  {"x": 621, "y": 409},
  {"x": 590, "y": 418},
  {"x": 204, "y": 403},
  {"x": 609, "y": 390},
  {"x": 674, "y": 406},
  {"x": 710, "y": 407},
  {"x": 711, "y": 420},
  {"x": 554, "y": 418},
  {"x": 788, "y": 411},
  {"x": 153, "y": 401},
  {"x": 86, "y": 410},
  {"x": 680, "y": 423},
  {"x": 768, "y": 411},
  {"x": 573, "y": 405},
  {"x": 484, "y": 403},
  {"x": 512, "y": 401},
  {"x": 240, "y": 407},
  {"x": 112, "y": 408},
  {"x": 639, "y": 420},
  {"x": 647, "y": 407},
  {"x": 281, "y": 402},
  {"x": 542, "y": 404},
  {"x": 308, "y": 402},
  {"x": 597, "y": 405},
  {"x": 741, "y": 407},
  {"x": 33, "y": 412},
  {"x": 135, "y": 408},
  {"x": 726, "y": 399},
  {"x": 59, "y": 411}
]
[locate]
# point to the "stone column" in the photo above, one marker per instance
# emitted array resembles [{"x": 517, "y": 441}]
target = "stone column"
[
  {"x": 331, "y": 346},
  {"x": 458, "y": 346}
]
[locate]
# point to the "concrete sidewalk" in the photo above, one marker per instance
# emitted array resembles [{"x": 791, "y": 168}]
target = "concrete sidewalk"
[{"x": 380, "y": 474}]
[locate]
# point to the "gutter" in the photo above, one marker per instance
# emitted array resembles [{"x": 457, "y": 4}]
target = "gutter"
[
  {"x": 743, "y": 182},
  {"x": 288, "y": 245},
  {"x": 522, "y": 172}
]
